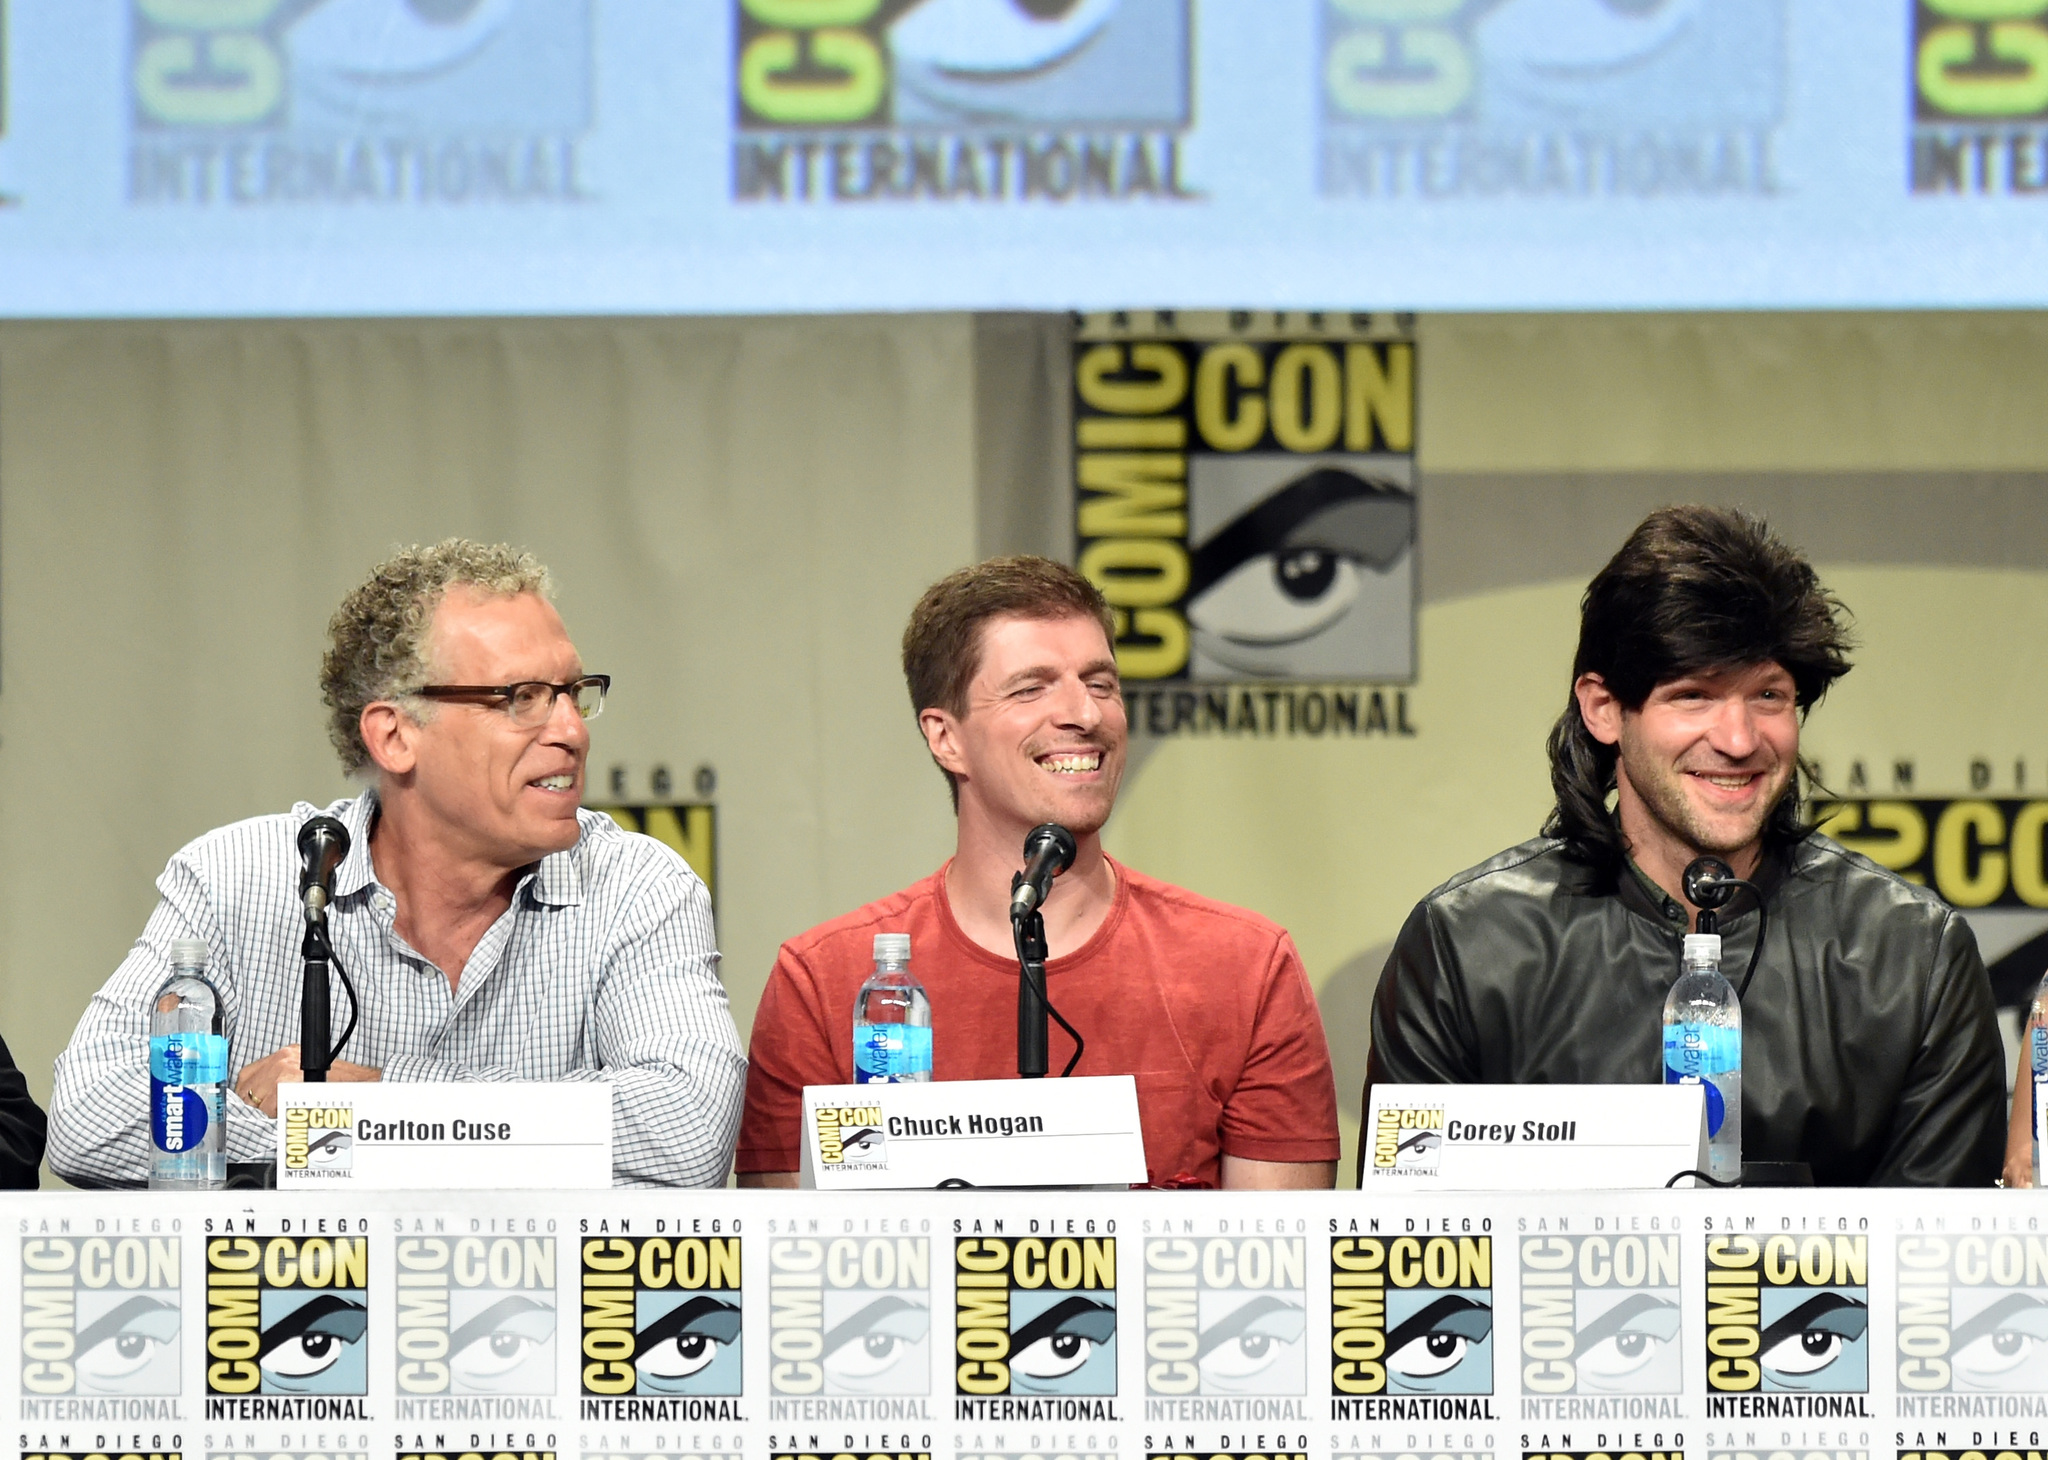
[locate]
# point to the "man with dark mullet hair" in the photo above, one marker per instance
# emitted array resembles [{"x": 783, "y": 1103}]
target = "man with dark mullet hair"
[{"x": 1869, "y": 1048}]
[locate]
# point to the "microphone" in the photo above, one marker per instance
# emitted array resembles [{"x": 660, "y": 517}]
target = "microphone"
[
  {"x": 1048, "y": 851},
  {"x": 1710, "y": 882},
  {"x": 323, "y": 842}
]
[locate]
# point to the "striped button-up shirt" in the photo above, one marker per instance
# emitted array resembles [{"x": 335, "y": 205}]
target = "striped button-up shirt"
[{"x": 603, "y": 968}]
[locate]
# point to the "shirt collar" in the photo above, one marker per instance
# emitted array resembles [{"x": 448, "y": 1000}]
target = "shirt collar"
[
  {"x": 1641, "y": 894},
  {"x": 557, "y": 881}
]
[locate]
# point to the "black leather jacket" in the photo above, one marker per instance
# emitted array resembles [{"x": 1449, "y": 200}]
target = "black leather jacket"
[{"x": 1869, "y": 1049}]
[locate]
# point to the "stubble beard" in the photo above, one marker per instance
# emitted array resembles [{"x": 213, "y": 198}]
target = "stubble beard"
[{"x": 1661, "y": 790}]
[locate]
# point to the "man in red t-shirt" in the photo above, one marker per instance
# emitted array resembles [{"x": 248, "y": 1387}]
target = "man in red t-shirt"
[{"x": 1016, "y": 691}]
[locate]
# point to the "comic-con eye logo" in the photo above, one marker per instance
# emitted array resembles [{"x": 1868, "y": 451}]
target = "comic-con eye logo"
[
  {"x": 1035, "y": 1316},
  {"x": 850, "y": 1315},
  {"x": 852, "y": 1137},
  {"x": 1247, "y": 506},
  {"x": 320, "y": 1141},
  {"x": 476, "y": 1315},
  {"x": 1411, "y": 1315},
  {"x": 1225, "y": 1315},
  {"x": 1787, "y": 1315},
  {"x": 1407, "y": 1140},
  {"x": 1551, "y": 98},
  {"x": 661, "y": 1315},
  {"x": 99, "y": 1315},
  {"x": 1600, "y": 1315},
  {"x": 287, "y": 1315},
  {"x": 1973, "y": 1317}
]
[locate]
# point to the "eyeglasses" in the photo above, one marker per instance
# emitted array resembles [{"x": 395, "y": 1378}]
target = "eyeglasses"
[{"x": 530, "y": 701}]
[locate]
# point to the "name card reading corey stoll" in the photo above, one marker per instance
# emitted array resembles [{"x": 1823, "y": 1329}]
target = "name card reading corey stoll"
[
  {"x": 1532, "y": 1137},
  {"x": 1073, "y": 1133},
  {"x": 472, "y": 1136}
]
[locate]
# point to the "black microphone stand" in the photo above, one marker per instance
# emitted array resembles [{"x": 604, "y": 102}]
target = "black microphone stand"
[
  {"x": 316, "y": 1049},
  {"x": 1033, "y": 1038}
]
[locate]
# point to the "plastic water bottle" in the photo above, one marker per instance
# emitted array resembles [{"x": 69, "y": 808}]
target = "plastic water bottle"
[
  {"x": 188, "y": 1076},
  {"x": 1703, "y": 1046},
  {"x": 892, "y": 1019},
  {"x": 2037, "y": 1058}
]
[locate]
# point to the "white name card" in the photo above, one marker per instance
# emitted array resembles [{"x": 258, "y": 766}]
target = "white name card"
[
  {"x": 467, "y": 1136},
  {"x": 1081, "y": 1132},
  {"x": 1531, "y": 1137}
]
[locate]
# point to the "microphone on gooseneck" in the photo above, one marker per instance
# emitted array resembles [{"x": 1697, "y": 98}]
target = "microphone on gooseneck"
[
  {"x": 1710, "y": 884},
  {"x": 1048, "y": 851},
  {"x": 323, "y": 843}
]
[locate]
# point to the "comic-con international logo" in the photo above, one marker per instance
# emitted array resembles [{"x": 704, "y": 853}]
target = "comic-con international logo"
[
  {"x": 1034, "y": 1316},
  {"x": 1973, "y": 1326},
  {"x": 287, "y": 1315},
  {"x": 1600, "y": 1316},
  {"x": 1407, "y": 1140},
  {"x": 99, "y": 1316},
  {"x": 960, "y": 100},
  {"x": 1788, "y": 1326},
  {"x": 661, "y": 1316},
  {"x": 852, "y": 1138},
  {"x": 849, "y": 1316},
  {"x": 475, "y": 1317},
  {"x": 1979, "y": 97},
  {"x": 1550, "y": 98},
  {"x": 1245, "y": 497},
  {"x": 1411, "y": 1317},
  {"x": 1225, "y": 1316},
  {"x": 319, "y": 1142},
  {"x": 250, "y": 103}
]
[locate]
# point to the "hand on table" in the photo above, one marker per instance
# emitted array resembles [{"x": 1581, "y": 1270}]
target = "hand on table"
[{"x": 257, "y": 1083}]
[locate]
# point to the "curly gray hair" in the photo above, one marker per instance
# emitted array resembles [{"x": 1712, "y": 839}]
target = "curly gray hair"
[{"x": 376, "y": 641}]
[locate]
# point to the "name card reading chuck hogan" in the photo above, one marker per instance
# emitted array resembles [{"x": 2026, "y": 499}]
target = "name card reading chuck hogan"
[
  {"x": 1531, "y": 1137},
  {"x": 1073, "y": 1133},
  {"x": 472, "y": 1136}
]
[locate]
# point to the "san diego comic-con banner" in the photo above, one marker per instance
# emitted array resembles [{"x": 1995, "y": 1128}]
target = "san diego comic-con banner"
[
  {"x": 634, "y": 1325},
  {"x": 1245, "y": 498}
]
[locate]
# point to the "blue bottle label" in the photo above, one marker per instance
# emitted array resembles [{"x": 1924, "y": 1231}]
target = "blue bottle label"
[
  {"x": 1693, "y": 1053},
  {"x": 2040, "y": 1051},
  {"x": 177, "y": 1117},
  {"x": 189, "y": 1059},
  {"x": 184, "y": 1072},
  {"x": 883, "y": 1053}
]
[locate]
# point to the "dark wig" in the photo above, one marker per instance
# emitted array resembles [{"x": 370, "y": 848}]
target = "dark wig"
[{"x": 1693, "y": 589}]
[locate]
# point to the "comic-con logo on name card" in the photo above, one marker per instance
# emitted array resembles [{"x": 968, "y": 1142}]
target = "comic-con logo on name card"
[
  {"x": 100, "y": 1316},
  {"x": 1244, "y": 492},
  {"x": 1225, "y": 1316},
  {"x": 1034, "y": 1316},
  {"x": 852, "y": 1138},
  {"x": 1551, "y": 98},
  {"x": 1411, "y": 1323},
  {"x": 287, "y": 1315},
  {"x": 961, "y": 100},
  {"x": 1979, "y": 98},
  {"x": 319, "y": 1142},
  {"x": 661, "y": 1316},
  {"x": 357, "y": 102},
  {"x": 1407, "y": 1140},
  {"x": 475, "y": 1317},
  {"x": 1788, "y": 1326},
  {"x": 1600, "y": 1315},
  {"x": 849, "y": 1316},
  {"x": 1973, "y": 1319}
]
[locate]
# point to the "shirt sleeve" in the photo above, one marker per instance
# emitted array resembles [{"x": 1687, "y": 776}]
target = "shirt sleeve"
[
  {"x": 99, "y": 1111},
  {"x": 1419, "y": 1020},
  {"x": 22, "y": 1129},
  {"x": 1948, "y": 1126},
  {"x": 792, "y": 1048},
  {"x": 662, "y": 1034},
  {"x": 1284, "y": 1107}
]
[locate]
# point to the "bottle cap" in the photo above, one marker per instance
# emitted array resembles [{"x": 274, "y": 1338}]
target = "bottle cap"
[
  {"x": 1702, "y": 947},
  {"x": 892, "y": 947},
  {"x": 188, "y": 953}
]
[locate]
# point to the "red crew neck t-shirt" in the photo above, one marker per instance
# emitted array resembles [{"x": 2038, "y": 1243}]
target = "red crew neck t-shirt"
[{"x": 1206, "y": 1004}]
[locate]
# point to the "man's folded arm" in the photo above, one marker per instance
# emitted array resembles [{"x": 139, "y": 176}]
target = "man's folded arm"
[
  {"x": 1419, "y": 1022},
  {"x": 790, "y": 1050},
  {"x": 1948, "y": 1129},
  {"x": 1279, "y": 1124}
]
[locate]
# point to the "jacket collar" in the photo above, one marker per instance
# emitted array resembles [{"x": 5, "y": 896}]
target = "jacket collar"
[
  {"x": 1644, "y": 897},
  {"x": 556, "y": 880}
]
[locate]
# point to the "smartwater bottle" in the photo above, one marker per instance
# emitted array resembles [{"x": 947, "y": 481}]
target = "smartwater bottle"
[
  {"x": 892, "y": 1019},
  {"x": 188, "y": 1078},
  {"x": 2037, "y": 1059},
  {"x": 1703, "y": 1046}
]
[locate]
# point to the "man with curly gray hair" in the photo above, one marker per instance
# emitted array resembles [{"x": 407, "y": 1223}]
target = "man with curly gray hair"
[{"x": 495, "y": 930}]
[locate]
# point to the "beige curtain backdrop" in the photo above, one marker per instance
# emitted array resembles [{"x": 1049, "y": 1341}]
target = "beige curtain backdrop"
[{"x": 740, "y": 512}]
